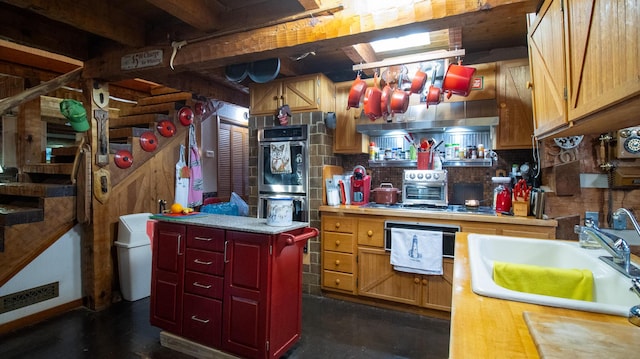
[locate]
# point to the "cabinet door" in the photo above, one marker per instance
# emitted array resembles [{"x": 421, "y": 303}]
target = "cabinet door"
[
  {"x": 514, "y": 103},
  {"x": 602, "y": 60},
  {"x": 437, "y": 293},
  {"x": 245, "y": 294},
  {"x": 377, "y": 279},
  {"x": 166, "y": 276},
  {"x": 301, "y": 93},
  {"x": 546, "y": 54},
  {"x": 265, "y": 99},
  {"x": 346, "y": 139}
]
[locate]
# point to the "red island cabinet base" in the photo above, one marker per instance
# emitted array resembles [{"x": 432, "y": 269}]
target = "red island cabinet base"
[{"x": 259, "y": 314}]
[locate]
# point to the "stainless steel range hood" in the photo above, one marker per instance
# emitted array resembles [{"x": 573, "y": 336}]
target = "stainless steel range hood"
[{"x": 479, "y": 115}]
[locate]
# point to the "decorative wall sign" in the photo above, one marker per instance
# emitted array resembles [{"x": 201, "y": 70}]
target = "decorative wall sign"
[{"x": 141, "y": 59}]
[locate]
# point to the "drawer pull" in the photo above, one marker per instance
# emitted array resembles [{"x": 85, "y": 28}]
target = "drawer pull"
[
  {"x": 201, "y": 262},
  {"x": 416, "y": 280},
  {"x": 337, "y": 224},
  {"x": 196, "y": 284},
  {"x": 337, "y": 242},
  {"x": 205, "y": 321},
  {"x": 337, "y": 281},
  {"x": 206, "y": 239},
  {"x": 337, "y": 262},
  {"x": 425, "y": 282},
  {"x": 369, "y": 233}
]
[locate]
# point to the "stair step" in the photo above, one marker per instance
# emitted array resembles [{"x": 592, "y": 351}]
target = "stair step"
[
  {"x": 40, "y": 190},
  {"x": 11, "y": 215},
  {"x": 125, "y": 133},
  {"x": 135, "y": 120},
  {"x": 49, "y": 168},
  {"x": 152, "y": 100},
  {"x": 115, "y": 147},
  {"x": 165, "y": 108}
]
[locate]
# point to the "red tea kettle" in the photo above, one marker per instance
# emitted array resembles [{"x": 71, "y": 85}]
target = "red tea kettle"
[{"x": 503, "y": 200}]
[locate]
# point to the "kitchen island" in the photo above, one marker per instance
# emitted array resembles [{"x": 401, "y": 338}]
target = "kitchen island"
[
  {"x": 227, "y": 284},
  {"x": 484, "y": 327}
]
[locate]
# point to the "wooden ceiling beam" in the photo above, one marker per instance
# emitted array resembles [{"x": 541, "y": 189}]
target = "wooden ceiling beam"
[
  {"x": 90, "y": 16},
  {"x": 322, "y": 32},
  {"x": 193, "y": 12},
  {"x": 310, "y": 4}
]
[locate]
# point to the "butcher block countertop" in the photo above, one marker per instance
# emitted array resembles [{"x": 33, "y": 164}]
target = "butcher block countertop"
[
  {"x": 409, "y": 213},
  {"x": 236, "y": 223},
  {"x": 484, "y": 327}
]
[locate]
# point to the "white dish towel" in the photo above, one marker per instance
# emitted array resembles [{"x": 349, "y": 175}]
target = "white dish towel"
[{"x": 416, "y": 251}]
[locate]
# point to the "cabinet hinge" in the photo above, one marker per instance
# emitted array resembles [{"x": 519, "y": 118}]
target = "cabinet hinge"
[
  {"x": 271, "y": 249},
  {"x": 565, "y": 93},
  {"x": 266, "y": 346},
  {"x": 562, "y": 5}
]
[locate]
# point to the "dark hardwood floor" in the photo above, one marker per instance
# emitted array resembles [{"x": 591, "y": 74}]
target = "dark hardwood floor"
[{"x": 330, "y": 329}]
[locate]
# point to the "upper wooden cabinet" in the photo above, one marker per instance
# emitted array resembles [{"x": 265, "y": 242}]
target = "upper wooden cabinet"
[
  {"x": 514, "y": 105},
  {"x": 305, "y": 93},
  {"x": 585, "y": 81},
  {"x": 345, "y": 138}
]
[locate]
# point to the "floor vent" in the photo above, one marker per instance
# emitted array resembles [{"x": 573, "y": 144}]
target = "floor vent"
[{"x": 28, "y": 297}]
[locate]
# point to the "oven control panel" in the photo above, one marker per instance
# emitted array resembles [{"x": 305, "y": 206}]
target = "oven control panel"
[
  {"x": 628, "y": 143},
  {"x": 425, "y": 176}
]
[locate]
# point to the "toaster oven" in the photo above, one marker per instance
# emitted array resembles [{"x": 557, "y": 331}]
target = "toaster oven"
[{"x": 425, "y": 187}]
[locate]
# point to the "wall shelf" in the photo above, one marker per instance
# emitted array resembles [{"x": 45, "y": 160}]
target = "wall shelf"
[{"x": 480, "y": 162}]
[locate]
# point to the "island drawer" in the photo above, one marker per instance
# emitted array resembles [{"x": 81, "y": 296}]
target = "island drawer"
[
  {"x": 202, "y": 320},
  {"x": 204, "y": 261},
  {"x": 208, "y": 239},
  {"x": 203, "y": 284}
]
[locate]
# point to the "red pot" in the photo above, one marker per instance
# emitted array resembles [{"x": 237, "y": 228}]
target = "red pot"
[
  {"x": 166, "y": 128},
  {"x": 372, "y": 103},
  {"x": 123, "y": 159},
  {"x": 433, "y": 95},
  {"x": 385, "y": 101},
  {"x": 356, "y": 93},
  {"x": 185, "y": 115},
  {"x": 386, "y": 194},
  {"x": 399, "y": 101},
  {"x": 148, "y": 141},
  {"x": 458, "y": 80},
  {"x": 418, "y": 81}
]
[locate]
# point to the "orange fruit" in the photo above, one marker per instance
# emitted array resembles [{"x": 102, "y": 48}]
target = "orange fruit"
[{"x": 176, "y": 208}]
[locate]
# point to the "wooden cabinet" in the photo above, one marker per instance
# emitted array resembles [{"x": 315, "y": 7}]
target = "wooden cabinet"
[
  {"x": 338, "y": 253},
  {"x": 167, "y": 277},
  {"x": 585, "y": 81},
  {"x": 345, "y": 138},
  {"x": 239, "y": 292},
  {"x": 302, "y": 94},
  {"x": 356, "y": 265},
  {"x": 378, "y": 279},
  {"x": 514, "y": 105}
]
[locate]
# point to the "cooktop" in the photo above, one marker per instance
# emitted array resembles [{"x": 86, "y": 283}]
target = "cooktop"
[{"x": 452, "y": 208}]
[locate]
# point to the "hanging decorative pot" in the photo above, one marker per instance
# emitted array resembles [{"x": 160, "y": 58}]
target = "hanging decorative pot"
[
  {"x": 185, "y": 116},
  {"x": 356, "y": 93},
  {"x": 123, "y": 159},
  {"x": 458, "y": 80},
  {"x": 148, "y": 141},
  {"x": 166, "y": 128}
]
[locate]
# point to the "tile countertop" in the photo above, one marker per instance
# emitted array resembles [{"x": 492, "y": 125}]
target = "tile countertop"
[
  {"x": 485, "y": 327},
  {"x": 236, "y": 223},
  {"x": 417, "y": 213}
]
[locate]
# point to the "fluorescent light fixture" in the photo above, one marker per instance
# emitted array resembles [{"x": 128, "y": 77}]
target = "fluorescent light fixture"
[{"x": 402, "y": 42}]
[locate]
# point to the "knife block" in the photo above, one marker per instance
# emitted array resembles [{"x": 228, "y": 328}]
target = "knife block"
[{"x": 520, "y": 208}]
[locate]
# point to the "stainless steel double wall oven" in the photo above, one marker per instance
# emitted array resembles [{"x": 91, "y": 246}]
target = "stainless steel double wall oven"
[{"x": 293, "y": 181}]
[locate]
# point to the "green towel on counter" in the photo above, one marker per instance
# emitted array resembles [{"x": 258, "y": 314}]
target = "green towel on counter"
[{"x": 556, "y": 282}]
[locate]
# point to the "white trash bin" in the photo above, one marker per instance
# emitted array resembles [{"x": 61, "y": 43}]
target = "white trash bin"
[{"x": 134, "y": 256}]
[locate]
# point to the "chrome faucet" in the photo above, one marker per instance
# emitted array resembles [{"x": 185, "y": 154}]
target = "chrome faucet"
[
  {"x": 616, "y": 246},
  {"x": 633, "y": 220}
]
